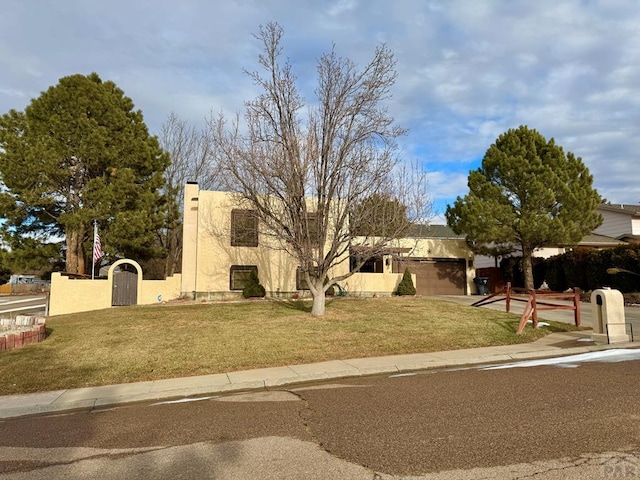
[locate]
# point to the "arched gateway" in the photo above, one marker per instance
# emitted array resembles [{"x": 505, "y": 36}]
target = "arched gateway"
[{"x": 125, "y": 275}]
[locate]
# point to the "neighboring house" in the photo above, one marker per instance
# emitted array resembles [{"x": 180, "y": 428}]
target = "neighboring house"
[
  {"x": 23, "y": 278},
  {"x": 592, "y": 240},
  {"x": 620, "y": 221},
  {"x": 620, "y": 225},
  {"x": 223, "y": 242},
  {"x": 26, "y": 283}
]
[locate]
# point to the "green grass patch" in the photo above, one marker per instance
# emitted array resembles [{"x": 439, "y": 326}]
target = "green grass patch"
[{"x": 130, "y": 344}]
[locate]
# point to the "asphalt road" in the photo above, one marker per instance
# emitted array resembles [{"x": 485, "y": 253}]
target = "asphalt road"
[
  {"x": 10, "y": 306},
  {"x": 544, "y": 422}
]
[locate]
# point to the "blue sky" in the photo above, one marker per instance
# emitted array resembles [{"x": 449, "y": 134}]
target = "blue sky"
[{"x": 468, "y": 70}]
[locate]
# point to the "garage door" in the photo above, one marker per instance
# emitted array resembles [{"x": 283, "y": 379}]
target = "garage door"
[{"x": 438, "y": 276}]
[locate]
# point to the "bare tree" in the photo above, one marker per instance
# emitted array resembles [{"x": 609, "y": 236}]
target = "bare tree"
[
  {"x": 192, "y": 159},
  {"x": 305, "y": 169}
]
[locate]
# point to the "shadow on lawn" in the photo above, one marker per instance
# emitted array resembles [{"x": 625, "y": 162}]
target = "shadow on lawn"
[
  {"x": 295, "y": 304},
  {"x": 552, "y": 327}
]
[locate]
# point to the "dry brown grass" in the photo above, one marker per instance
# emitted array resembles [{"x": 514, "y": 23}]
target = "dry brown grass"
[{"x": 129, "y": 344}]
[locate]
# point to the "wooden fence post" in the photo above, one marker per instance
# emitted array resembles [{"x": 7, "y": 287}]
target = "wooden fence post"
[{"x": 535, "y": 308}]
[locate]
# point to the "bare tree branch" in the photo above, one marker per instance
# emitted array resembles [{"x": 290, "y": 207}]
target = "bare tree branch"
[
  {"x": 308, "y": 171},
  {"x": 192, "y": 159}
]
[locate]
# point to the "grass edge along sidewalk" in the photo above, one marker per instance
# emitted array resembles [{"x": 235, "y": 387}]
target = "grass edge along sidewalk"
[{"x": 134, "y": 344}]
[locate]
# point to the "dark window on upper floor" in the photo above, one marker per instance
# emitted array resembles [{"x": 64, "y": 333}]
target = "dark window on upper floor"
[
  {"x": 314, "y": 229},
  {"x": 244, "y": 228}
]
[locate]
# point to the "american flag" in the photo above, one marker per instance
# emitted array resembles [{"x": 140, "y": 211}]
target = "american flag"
[{"x": 97, "y": 248}]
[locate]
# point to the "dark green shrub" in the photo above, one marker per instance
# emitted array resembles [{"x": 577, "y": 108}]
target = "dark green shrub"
[
  {"x": 596, "y": 265},
  {"x": 513, "y": 272},
  {"x": 575, "y": 268},
  {"x": 626, "y": 257},
  {"x": 587, "y": 269},
  {"x": 5, "y": 275},
  {"x": 331, "y": 291},
  {"x": 539, "y": 271},
  {"x": 554, "y": 276},
  {"x": 406, "y": 287},
  {"x": 253, "y": 287}
]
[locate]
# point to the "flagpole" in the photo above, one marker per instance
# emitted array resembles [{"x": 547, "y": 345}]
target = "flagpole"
[{"x": 93, "y": 263}]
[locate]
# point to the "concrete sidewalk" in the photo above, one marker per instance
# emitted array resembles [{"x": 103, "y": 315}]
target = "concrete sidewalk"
[{"x": 555, "y": 344}]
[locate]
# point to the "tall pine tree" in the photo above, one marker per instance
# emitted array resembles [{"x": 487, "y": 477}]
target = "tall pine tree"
[
  {"x": 80, "y": 152},
  {"x": 528, "y": 193}
]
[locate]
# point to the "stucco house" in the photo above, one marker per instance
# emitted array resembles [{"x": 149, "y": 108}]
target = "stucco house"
[{"x": 222, "y": 243}]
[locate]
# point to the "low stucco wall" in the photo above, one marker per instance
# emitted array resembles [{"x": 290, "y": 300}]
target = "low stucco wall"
[
  {"x": 77, "y": 295},
  {"x": 366, "y": 284},
  {"x": 154, "y": 291}
]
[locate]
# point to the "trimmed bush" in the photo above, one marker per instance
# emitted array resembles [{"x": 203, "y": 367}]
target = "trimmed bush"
[
  {"x": 587, "y": 269},
  {"x": 253, "y": 287},
  {"x": 406, "y": 287},
  {"x": 555, "y": 277}
]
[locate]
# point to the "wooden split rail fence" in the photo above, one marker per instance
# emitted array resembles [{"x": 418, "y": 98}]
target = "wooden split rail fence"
[{"x": 535, "y": 300}]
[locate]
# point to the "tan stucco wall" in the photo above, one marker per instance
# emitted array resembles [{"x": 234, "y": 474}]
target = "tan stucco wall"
[
  {"x": 72, "y": 296},
  {"x": 208, "y": 254},
  {"x": 78, "y": 295},
  {"x": 208, "y": 270},
  {"x": 436, "y": 247},
  {"x": 366, "y": 284},
  {"x": 167, "y": 289},
  {"x": 190, "y": 237}
]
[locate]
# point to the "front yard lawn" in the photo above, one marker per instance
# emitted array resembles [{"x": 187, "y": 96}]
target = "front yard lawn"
[{"x": 130, "y": 344}]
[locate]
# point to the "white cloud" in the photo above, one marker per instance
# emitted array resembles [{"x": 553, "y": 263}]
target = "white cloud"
[{"x": 468, "y": 71}]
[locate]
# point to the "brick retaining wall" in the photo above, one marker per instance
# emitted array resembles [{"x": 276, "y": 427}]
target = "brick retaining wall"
[{"x": 22, "y": 330}]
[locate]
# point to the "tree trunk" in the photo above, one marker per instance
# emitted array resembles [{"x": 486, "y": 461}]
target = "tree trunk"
[
  {"x": 75, "y": 252},
  {"x": 317, "y": 310},
  {"x": 173, "y": 253},
  {"x": 317, "y": 291},
  {"x": 527, "y": 268}
]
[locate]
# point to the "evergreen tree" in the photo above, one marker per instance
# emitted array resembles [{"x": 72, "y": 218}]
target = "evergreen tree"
[
  {"x": 379, "y": 216},
  {"x": 527, "y": 192},
  {"x": 78, "y": 153},
  {"x": 406, "y": 287},
  {"x": 5, "y": 271},
  {"x": 253, "y": 288}
]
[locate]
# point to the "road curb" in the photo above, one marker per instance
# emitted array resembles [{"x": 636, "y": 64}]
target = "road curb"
[{"x": 101, "y": 397}]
